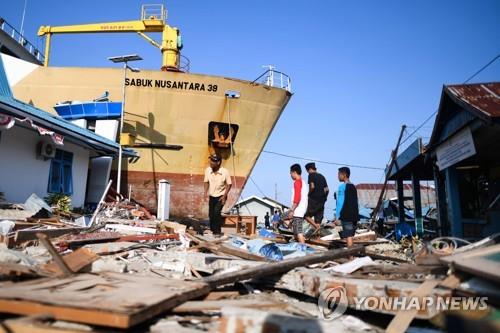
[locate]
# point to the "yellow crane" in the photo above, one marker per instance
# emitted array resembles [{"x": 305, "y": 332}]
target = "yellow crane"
[{"x": 152, "y": 20}]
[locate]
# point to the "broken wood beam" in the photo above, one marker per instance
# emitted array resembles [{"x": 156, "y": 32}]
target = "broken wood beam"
[
  {"x": 280, "y": 267},
  {"x": 138, "y": 238},
  {"x": 58, "y": 259},
  {"x": 217, "y": 305},
  {"x": 217, "y": 248},
  {"x": 76, "y": 261},
  {"x": 403, "y": 318},
  {"x": 312, "y": 282},
  {"x": 30, "y": 234}
]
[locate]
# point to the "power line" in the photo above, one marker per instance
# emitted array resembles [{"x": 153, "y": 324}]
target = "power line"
[
  {"x": 483, "y": 68},
  {"x": 257, "y": 186},
  {"x": 434, "y": 113},
  {"x": 419, "y": 127},
  {"x": 324, "y": 162}
]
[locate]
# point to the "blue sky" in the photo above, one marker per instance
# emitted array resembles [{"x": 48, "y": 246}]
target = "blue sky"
[{"x": 360, "y": 69}]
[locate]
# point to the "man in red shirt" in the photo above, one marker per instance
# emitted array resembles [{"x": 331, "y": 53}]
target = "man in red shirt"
[{"x": 299, "y": 202}]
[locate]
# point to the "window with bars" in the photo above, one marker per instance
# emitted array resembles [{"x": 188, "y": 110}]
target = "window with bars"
[{"x": 60, "y": 176}]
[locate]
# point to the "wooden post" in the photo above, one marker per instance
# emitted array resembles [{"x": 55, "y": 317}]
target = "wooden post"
[
  {"x": 58, "y": 259},
  {"x": 417, "y": 204},
  {"x": 401, "y": 200},
  {"x": 394, "y": 156}
]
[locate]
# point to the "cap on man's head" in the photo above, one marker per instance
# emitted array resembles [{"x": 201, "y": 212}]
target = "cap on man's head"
[
  {"x": 215, "y": 157},
  {"x": 311, "y": 165}
]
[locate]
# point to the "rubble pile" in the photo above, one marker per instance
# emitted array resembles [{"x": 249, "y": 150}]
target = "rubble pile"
[{"x": 122, "y": 270}]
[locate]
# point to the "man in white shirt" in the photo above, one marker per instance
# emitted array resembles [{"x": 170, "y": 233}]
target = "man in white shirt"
[{"x": 217, "y": 186}]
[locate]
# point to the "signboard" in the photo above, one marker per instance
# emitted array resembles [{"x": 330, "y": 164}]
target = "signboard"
[{"x": 457, "y": 148}]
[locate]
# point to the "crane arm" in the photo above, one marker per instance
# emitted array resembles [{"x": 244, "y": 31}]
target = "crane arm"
[
  {"x": 152, "y": 20},
  {"x": 123, "y": 26}
]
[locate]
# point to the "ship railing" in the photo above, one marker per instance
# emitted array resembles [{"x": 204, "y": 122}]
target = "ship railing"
[
  {"x": 184, "y": 64},
  {"x": 274, "y": 78},
  {"x": 18, "y": 37},
  {"x": 153, "y": 12}
]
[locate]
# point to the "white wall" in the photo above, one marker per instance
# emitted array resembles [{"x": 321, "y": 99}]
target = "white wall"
[
  {"x": 21, "y": 173},
  {"x": 256, "y": 209}
]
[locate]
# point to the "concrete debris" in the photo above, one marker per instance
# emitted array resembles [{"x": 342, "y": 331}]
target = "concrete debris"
[{"x": 262, "y": 282}]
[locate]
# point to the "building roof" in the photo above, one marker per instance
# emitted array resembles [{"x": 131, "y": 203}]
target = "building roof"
[
  {"x": 13, "y": 107},
  {"x": 461, "y": 104},
  {"x": 253, "y": 198},
  {"x": 275, "y": 202},
  {"x": 483, "y": 97}
]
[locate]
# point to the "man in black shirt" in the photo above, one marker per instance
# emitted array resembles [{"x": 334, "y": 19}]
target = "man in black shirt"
[
  {"x": 318, "y": 194},
  {"x": 266, "y": 220},
  {"x": 347, "y": 211}
]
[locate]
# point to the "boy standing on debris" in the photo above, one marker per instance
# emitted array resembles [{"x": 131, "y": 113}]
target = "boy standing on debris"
[
  {"x": 318, "y": 194},
  {"x": 217, "y": 185},
  {"x": 347, "y": 211},
  {"x": 299, "y": 202}
]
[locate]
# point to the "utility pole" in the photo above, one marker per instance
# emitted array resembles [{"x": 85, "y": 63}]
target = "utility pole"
[
  {"x": 276, "y": 191},
  {"x": 394, "y": 155}
]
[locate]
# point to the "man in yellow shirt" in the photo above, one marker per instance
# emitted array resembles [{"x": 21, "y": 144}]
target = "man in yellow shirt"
[{"x": 217, "y": 186}]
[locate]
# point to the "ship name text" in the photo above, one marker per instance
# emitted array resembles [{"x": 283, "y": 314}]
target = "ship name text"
[{"x": 169, "y": 84}]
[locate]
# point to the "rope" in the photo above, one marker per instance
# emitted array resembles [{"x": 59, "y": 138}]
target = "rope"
[{"x": 232, "y": 154}]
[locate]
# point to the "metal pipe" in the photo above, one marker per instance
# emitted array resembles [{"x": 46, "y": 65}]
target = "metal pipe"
[{"x": 120, "y": 151}]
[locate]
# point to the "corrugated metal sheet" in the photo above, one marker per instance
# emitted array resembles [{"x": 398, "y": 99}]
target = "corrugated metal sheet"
[
  {"x": 368, "y": 194},
  {"x": 484, "y": 97}
]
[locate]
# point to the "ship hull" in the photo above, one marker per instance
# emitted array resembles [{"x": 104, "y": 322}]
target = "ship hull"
[
  {"x": 164, "y": 110},
  {"x": 187, "y": 192}
]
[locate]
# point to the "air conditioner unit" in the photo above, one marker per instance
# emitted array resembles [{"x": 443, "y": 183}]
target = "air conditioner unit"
[{"x": 47, "y": 150}]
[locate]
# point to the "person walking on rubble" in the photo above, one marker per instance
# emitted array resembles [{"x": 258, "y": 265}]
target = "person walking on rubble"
[
  {"x": 299, "y": 202},
  {"x": 318, "y": 194},
  {"x": 266, "y": 220},
  {"x": 347, "y": 211},
  {"x": 276, "y": 219},
  {"x": 217, "y": 186}
]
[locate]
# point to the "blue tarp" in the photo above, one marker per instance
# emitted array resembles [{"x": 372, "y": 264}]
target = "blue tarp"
[{"x": 273, "y": 251}]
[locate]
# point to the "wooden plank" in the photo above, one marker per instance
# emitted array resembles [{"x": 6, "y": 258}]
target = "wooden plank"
[
  {"x": 280, "y": 267},
  {"x": 482, "y": 262},
  {"x": 59, "y": 261},
  {"x": 76, "y": 261},
  {"x": 220, "y": 249},
  {"x": 403, "y": 319},
  {"x": 312, "y": 282},
  {"x": 216, "y": 305},
  {"x": 217, "y": 295},
  {"x": 11, "y": 271},
  {"x": 36, "y": 324},
  {"x": 106, "y": 299},
  {"x": 27, "y": 235}
]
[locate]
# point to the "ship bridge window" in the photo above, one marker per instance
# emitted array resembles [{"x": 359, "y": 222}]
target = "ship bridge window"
[{"x": 221, "y": 135}]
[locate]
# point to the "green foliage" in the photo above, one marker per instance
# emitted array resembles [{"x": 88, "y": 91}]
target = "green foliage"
[{"x": 60, "y": 202}]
